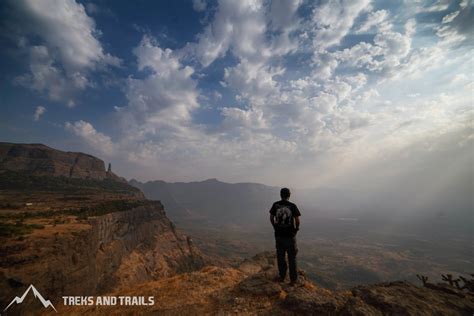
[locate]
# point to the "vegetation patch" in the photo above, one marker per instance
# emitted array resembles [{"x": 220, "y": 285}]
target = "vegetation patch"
[
  {"x": 17, "y": 229},
  {"x": 83, "y": 212},
  {"x": 107, "y": 207},
  {"x": 23, "y": 181},
  {"x": 13, "y": 224},
  {"x": 9, "y": 206}
]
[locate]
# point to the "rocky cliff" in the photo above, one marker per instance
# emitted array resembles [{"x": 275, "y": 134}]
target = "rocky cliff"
[
  {"x": 41, "y": 160},
  {"x": 71, "y": 228},
  {"x": 97, "y": 255}
]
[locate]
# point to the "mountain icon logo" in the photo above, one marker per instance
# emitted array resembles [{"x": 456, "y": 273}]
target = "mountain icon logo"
[{"x": 19, "y": 300}]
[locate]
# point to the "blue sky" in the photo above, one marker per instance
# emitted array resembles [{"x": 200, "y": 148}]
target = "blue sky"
[{"x": 301, "y": 93}]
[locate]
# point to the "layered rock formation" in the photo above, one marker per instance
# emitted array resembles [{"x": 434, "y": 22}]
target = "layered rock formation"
[
  {"x": 41, "y": 160},
  {"x": 97, "y": 255},
  {"x": 70, "y": 227}
]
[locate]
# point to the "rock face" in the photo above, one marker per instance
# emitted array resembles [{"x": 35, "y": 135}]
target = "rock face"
[
  {"x": 250, "y": 289},
  {"x": 91, "y": 239},
  {"x": 114, "y": 250},
  {"x": 41, "y": 160}
]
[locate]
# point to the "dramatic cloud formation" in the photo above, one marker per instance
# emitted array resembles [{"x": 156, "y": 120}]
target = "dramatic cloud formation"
[
  {"x": 68, "y": 48},
  {"x": 282, "y": 92},
  {"x": 95, "y": 139}
]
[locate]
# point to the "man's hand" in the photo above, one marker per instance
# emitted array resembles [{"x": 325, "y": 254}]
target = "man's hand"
[{"x": 272, "y": 220}]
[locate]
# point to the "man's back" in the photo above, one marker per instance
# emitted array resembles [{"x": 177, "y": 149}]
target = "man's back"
[{"x": 284, "y": 213}]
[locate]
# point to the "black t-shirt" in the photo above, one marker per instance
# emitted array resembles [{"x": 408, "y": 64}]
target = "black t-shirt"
[{"x": 285, "y": 213}]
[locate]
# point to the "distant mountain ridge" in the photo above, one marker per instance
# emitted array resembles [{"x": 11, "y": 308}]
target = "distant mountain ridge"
[
  {"x": 243, "y": 202},
  {"x": 212, "y": 199}
]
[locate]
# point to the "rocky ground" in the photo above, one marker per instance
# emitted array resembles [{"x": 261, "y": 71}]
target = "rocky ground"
[{"x": 250, "y": 289}]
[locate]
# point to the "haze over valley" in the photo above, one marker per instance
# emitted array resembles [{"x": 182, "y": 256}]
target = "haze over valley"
[{"x": 344, "y": 239}]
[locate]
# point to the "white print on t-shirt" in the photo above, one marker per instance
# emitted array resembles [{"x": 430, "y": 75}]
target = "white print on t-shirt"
[{"x": 283, "y": 216}]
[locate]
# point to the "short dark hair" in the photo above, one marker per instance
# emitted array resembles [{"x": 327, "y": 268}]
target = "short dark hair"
[{"x": 285, "y": 193}]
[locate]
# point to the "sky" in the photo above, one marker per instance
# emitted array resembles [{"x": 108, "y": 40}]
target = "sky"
[{"x": 344, "y": 93}]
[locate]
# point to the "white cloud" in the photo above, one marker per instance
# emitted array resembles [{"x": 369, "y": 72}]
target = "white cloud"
[
  {"x": 384, "y": 56},
  {"x": 333, "y": 20},
  {"x": 440, "y": 5},
  {"x": 376, "y": 19},
  {"x": 457, "y": 27},
  {"x": 92, "y": 137},
  {"x": 237, "y": 25},
  {"x": 243, "y": 119},
  {"x": 282, "y": 14},
  {"x": 47, "y": 78},
  {"x": 199, "y": 5},
  {"x": 450, "y": 17},
  {"x": 69, "y": 47},
  {"x": 39, "y": 111},
  {"x": 65, "y": 27},
  {"x": 167, "y": 96},
  {"x": 283, "y": 20}
]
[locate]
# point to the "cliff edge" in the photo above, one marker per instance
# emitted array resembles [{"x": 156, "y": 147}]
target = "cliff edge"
[
  {"x": 250, "y": 289},
  {"x": 41, "y": 160},
  {"x": 71, "y": 228}
]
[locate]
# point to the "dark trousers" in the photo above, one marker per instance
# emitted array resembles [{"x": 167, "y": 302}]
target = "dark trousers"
[{"x": 286, "y": 245}]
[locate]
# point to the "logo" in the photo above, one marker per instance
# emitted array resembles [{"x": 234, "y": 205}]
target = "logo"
[{"x": 19, "y": 300}]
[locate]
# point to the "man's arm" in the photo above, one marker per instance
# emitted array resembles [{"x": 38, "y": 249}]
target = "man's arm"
[
  {"x": 272, "y": 214},
  {"x": 296, "y": 215},
  {"x": 297, "y": 223}
]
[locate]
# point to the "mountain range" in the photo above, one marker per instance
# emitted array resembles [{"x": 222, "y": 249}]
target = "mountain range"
[{"x": 212, "y": 200}]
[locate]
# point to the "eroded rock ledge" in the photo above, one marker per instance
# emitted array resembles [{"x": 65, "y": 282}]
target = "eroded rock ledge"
[
  {"x": 96, "y": 256},
  {"x": 250, "y": 289}
]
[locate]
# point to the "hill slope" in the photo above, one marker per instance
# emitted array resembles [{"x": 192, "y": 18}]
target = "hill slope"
[{"x": 213, "y": 200}]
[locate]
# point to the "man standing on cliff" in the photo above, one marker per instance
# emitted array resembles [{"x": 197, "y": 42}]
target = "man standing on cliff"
[{"x": 285, "y": 218}]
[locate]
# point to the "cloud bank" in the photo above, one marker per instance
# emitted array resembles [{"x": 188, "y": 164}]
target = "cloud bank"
[{"x": 303, "y": 94}]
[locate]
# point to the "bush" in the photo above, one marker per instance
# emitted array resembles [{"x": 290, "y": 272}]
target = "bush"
[{"x": 17, "y": 229}]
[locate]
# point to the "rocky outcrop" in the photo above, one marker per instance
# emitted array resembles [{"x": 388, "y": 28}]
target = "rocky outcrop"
[
  {"x": 251, "y": 289},
  {"x": 41, "y": 160},
  {"x": 119, "y": 249}
]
